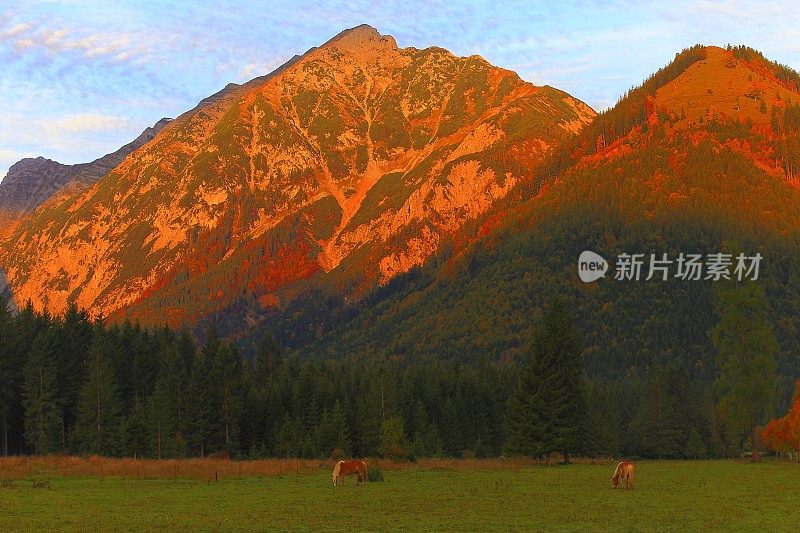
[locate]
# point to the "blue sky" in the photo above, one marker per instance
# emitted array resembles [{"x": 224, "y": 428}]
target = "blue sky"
[{"x": 80, "y": 78}]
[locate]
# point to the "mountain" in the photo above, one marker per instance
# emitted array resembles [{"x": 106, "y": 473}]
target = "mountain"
[
  {"x": 349, "y": 165},
  {"x": 32, "y": 181},
  {"x": 701, "y": 158}
]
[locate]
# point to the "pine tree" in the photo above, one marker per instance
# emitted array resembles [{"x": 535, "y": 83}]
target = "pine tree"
[
  {"x": 341, "y": 431},
  {"x": 268, "y": 361},
  {"x": 746, "y": 356},
  {"x": 226, "y": 388},
  {"x": 76, "y": 336},
  {"x": 567, "y": 406},
  {"x": 426, "y": 441},
  {"x": 695, "y": 447},
  {"x": 288, "y": 440},
  {"x": 10, "y": 371},
  {"x": 525, "y": 410},
  {"x": 393, "y": 438},
  {"x": 656, "y": 422},
  {"x": 452, "y": 437},
  {"x": 601, "y": 430},
  {"x": 99, "y": 409},
  {"x": 135, "y": 442},
  {"x": 161, "y": 418},
  {"x": 198, "y": 409},
  {"x": 546, "y": 409},
  {"x": 39, "y": 392}
]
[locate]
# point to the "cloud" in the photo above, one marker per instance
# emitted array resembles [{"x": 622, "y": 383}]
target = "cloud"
[
  {"x": 86, "y": 122},
  {"x": 17, "y": 29},
  {"x": 252, "y": 70},
  {"x": 71, "y": 71},
  {"x": 247, "y": 70},
  {"x": 49, "y": 43},
  {"x": 13, "y": 155},
  {"x": 3, "y": 175}
]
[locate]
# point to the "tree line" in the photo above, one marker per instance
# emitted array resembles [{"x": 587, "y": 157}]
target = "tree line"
[{"x": 74, "y": 385}]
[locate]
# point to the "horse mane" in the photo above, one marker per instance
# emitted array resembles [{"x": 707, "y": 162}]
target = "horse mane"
[{"x": 618, "y": 470}]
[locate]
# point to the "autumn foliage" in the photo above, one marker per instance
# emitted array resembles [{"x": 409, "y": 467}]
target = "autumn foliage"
[{"x": 783, "y": 434}]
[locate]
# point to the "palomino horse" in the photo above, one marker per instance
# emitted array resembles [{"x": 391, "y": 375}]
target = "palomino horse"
[
  {"x": 344, "y": 468},
  {"x": 623, "y": 472}
]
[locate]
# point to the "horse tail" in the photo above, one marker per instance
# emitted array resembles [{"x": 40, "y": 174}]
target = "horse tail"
[{"x": 363, "y": 464}]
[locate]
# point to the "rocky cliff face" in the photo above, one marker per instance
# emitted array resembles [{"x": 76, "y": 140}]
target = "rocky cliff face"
[
  {"x": 348, "y": 165},
  {"x": 32, "y": 181}
]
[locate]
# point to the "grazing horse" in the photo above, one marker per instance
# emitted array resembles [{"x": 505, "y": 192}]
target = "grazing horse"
[
  {"x": 344, "y": 468},
  {"x": 624, "y": 472}
]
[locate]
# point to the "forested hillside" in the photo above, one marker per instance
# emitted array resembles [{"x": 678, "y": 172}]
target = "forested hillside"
[{"x": 689, "y": 162}]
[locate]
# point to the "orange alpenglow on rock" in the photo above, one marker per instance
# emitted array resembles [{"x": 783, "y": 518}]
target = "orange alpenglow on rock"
[{"x": 346, "y": 166}]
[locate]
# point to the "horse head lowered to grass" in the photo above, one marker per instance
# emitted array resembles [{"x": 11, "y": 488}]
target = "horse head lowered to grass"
[
  {"x": 624, "y": 473},
  {"x": 345, "y": 468}
]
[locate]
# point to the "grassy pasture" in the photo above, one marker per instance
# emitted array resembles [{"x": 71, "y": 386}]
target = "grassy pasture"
[{"x": 431, "y": 495}]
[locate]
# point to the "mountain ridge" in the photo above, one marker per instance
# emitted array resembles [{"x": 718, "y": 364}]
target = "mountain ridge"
[
  {"x": 644, "y": 177},
  {"x": 348, "y": 165},
  {"x": 31, "y": 182}
]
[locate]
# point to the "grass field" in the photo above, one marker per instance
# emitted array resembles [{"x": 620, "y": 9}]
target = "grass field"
[{"x": 676, "y": 496}]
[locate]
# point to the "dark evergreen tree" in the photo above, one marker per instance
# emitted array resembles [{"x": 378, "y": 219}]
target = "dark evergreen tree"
[
  {"x": 40, "y": 393},
  {"x": 525, "y": 413},
  {"x": 747, "y": 357},
  {"x": 546, "y": 410},
  {"x": 11, "y": 361},
  {"x": 99, "y": 406},
  {"x": 225, "y": 378},
  {"x": 135, "y": 441},
  {"x": 562, "y": 364},
  {"x": 601, "y": 430},
  {"x": 162, "y": 421},
  {"x": 75, "y": 332},
  {"x": 199, "y": 421}
]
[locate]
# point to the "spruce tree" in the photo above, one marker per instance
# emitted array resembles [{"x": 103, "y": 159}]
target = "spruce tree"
[
  {"x": 526, "y": 413},
  {"x": 198, "y": 409},
  {"x": 135, "y": 442},
  {"x": 747, "y": 351},
  {"x": 546, "y": 409},
  {"x": 226, "y": 390},
  {"x": 76, "y": 335},
  {"x": 162, "y": 420},
  {"x": 40, "y": 394},
  {"x": 601, "y": 430},
  {"x": 11, "y": 362},
  {"x": 695, "y": 447},
  {"x": 341, "y": 429},
  {"x": 99, "y": 406},
  {"x": 562, "y": 363}
]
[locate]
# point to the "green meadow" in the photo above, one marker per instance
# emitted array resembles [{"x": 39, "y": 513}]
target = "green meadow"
[{"x": 669, "y": 496}]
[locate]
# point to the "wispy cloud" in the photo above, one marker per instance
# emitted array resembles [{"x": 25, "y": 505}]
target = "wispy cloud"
[
  {"x": 78, "y": 81},
  {"x": 38, "y": 38},
  {"x": 85, "y": 122}
]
